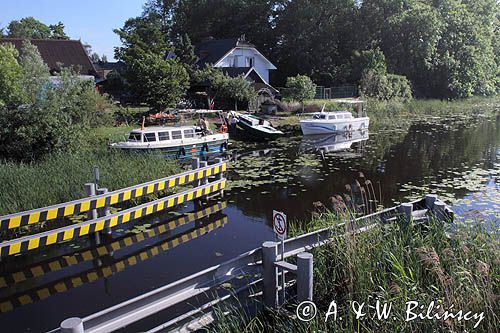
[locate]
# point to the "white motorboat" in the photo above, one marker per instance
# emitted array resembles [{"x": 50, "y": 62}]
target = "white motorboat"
[
  {"x": 333, "y": 122},
  {"x": 174, "y": 141}
]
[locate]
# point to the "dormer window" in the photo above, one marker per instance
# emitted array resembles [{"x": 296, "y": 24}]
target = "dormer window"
[
  {"x": 234, "y": 61},
  {"x": 249, "y": 61}
]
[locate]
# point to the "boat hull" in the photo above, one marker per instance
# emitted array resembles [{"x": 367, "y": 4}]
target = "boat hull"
[
  {"x": 214, "y": 145},
  {"x": 315, "y": 126},
  {"x": 248, "y": 132}
]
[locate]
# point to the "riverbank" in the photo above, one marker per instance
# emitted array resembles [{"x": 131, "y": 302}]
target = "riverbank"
[
  {"x": 386, "y": 114},
  {"x": 455, "y": 271},
  {"x": 60, "y": 177}
]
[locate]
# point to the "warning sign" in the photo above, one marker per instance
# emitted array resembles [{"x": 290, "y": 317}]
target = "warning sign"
[{"x": 279, "y": 224}]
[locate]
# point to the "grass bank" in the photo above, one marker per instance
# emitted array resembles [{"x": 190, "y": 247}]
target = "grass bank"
[
  {"x": 397, "y": 114},
  {"x": 60, "y": 177},
  {"x": 457, "y": 270}
]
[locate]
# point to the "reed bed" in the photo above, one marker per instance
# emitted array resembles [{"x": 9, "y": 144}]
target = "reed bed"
[
  {"x": 61, "y": 177},
  {"x": 458, "y": 270}
]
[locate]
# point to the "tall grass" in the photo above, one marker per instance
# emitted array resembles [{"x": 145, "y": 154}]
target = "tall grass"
[
  {"x": 424, "y": 264},
  {"x": 60, "y": 177}
]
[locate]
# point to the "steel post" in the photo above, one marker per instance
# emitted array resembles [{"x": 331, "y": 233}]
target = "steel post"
[
  {"x": 305, "y": 276},
  {"x": 270, "y": 274},
  {"x": 429, "y": 200}
]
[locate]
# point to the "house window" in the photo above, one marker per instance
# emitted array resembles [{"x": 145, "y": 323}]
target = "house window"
[
  {"x": 149, "y": 137},
  {"x": 176, "y": 135},
  {"x": 249, "y": 61},
  {"x": 234, "y": 61},
  {"x": 163, "y": 136}
]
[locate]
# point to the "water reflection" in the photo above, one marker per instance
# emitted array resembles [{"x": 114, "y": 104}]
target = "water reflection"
[
  {"x": 26, "y": 286},
  {"x": 335, "y": 143}
]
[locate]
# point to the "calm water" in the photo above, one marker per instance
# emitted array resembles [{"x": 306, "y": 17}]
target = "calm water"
[{"x": 458, "y": 159}]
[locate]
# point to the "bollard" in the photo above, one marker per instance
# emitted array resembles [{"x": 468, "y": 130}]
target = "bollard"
[
  {"x": 305, "y": 276},
  {"x": 104, "y": 211},
  {"x": 439, "y": 210},
  {"x": 195, "y": 164},
  {"x": 90, "y": 189},
  {"x": 270, "y": 274},
  {"x": 72, "y": 325},
  {"x": 406, "y": 209},
  {"x": 429, "y": 200}
]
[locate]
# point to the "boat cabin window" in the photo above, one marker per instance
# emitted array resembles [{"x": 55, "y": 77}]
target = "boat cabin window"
[
  {"x": 332, "y": 117},
  {"x": 176, "y": 135},
  {"x": 134, "y": 137},
  {"x": 319, "y": 116},
  {"x": 149, "y": 137},
  {"x": 163, "y": 136},
  {"x": 189, "y": 133}
]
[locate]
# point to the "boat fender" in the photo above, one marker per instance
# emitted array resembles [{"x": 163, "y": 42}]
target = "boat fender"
[
  {"x": 205, "y": 147},
  {"x": 350, "y": 127},
  {"x": 223, "y": 146}
]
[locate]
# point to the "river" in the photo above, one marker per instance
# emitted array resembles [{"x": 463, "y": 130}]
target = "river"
[{"x": 457, "y": 158}]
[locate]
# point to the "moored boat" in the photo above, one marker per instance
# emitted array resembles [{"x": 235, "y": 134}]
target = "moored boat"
[
  {"x": 252, "y": 127},
  {"x": 174, "y": 141},
  {"x": 333, "y": 122}
]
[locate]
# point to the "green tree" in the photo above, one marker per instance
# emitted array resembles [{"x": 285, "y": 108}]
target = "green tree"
[
  {"x": 226, "y": 19},
  {"x": 184, "y": 51},
  {"x": 35, "y": 73},
  {"x": 31, "y": 28},
  {"x": 316, "y": 38},
  {"x": 160, "y": 83},
  {"x": 11, "y": 76},
  {"x": 142, "y": 35},
  {"x": 221, "y": 85},
  {"x": 56, "y": 122},
  {"x": 300, "y": 88}
]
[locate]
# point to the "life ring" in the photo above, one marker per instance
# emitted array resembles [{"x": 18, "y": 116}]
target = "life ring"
[
  {"x": 193, "y": 150},
  {"x": 223, "y": 129}
]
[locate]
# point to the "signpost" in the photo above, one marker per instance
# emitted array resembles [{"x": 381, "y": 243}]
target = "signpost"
[{"x": 280, "y": 228}]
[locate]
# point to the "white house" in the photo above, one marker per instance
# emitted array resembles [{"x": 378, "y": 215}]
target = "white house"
[{"x": 236, "y": 57}]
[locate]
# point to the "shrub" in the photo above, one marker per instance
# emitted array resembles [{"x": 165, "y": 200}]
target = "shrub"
[
  {"x": 300, "y": 88},
  {"x": 385, "y": 86}
]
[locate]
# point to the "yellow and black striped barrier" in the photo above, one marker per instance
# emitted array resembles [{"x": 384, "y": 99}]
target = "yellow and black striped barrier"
[
  {"x": 31, "y": 242},
  {"x": 40, "y": 269},
  {"x": 13, "y": 221},
  {"x": 63, "y": 285}
]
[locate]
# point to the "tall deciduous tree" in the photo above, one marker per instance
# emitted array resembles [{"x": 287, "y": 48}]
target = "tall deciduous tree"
[
  {"x": 29, "y": 27},
  {"x": 160, "y": 83},
  {"x": 184, "y": 51},
  {"x": 11, "y": 76},
  {"x": 35, "y": 73}
]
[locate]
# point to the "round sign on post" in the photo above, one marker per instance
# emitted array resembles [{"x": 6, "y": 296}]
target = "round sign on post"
[{"x": 279, "y": 224}]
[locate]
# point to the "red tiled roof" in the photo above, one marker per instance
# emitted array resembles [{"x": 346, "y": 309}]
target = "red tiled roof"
[{"x": 69, "y": 53}]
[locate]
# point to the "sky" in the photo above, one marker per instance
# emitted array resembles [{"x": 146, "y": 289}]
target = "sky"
[{"x": 92, "y": 21}]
